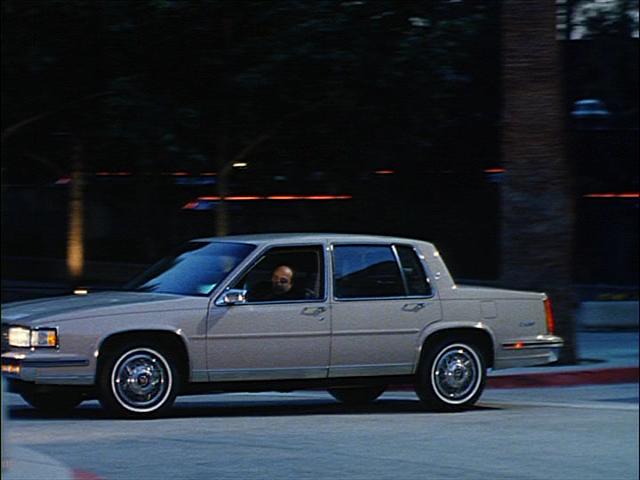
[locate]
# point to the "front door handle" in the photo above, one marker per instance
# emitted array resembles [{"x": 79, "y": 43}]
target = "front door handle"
[
  {"x": 413, "y": 307},
  {"x": 313, "y": 311}
]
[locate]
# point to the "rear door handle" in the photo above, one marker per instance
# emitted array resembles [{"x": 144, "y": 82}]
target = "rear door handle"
[
  {"x": 313, "y": 311},
  {"x": 413, "y": 307}
]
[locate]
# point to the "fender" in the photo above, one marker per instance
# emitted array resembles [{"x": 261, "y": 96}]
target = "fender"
[
  {"x": 150, "y": 328},
  {"x": 441, "y": 326}
]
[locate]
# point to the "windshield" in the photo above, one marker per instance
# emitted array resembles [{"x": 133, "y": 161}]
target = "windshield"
[{"x": 195, "y": 269}]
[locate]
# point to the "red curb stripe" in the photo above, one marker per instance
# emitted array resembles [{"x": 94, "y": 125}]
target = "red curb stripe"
[
  {"x": 566, "y": 379},
  {"x": 83, "y": 475},
  {"x": 602, "y": 376}
]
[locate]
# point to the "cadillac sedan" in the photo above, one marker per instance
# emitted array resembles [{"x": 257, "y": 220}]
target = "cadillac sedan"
[{"x": 349, "y": 313}]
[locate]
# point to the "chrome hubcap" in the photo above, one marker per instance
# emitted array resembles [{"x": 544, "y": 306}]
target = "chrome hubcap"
[
  {"x": 141, "y": 380},
  {"x": 456, "y": 374}
]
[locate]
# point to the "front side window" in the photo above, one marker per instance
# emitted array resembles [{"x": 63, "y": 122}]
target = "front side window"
[
  {"x": 285, "y": 274},
  {"x": 194, "y": 269},
  {"x": 366, "y": 271}
]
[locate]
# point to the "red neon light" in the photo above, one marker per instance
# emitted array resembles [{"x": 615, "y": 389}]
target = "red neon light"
[
  {"x": 613, "y": 195},
  {"x": 494, "y": 170},
  {"x": 284, "y": 197},
  {"x": 180, "y": 174},
  {"x": 243, "y": 198},
  {"x": 328, "y": 197},
  {"x": 384, "y": 172},
  {"x": 249, "y": 198}
]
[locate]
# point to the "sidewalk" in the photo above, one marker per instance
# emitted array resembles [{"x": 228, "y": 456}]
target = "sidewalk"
[{"x": 27, "y": 464}]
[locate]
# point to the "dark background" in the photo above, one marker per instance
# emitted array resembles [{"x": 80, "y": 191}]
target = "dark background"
[{"x": 395, "y": 104}]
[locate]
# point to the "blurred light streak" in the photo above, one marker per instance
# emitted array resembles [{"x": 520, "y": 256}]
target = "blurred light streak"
[
  {"x": 385, "y": 172},
  {"x": 494, "y": 170},
  {"x": 613, "y": 195},
  {"x": 194, "y": 204}
]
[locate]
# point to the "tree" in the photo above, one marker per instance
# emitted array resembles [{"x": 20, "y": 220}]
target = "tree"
[{"x": 537, "y": 204}]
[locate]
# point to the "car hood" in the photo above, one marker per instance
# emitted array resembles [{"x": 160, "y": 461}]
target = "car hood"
[{"x": 94, "y": 305}]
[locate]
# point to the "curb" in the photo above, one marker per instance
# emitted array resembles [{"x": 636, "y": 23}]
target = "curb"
[{"x": 603, "y": 376}]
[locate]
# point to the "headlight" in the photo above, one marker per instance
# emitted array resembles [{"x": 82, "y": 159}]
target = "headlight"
[
  {"x": 19, "y": 337},
  {"x": 26, "y": 337}
]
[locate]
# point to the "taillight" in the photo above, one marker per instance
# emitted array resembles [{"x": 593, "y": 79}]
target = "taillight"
[{"x": 551, "y": 324}]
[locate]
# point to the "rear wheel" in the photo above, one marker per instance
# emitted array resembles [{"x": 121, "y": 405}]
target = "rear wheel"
[
  {"x": 452, "y": 375},
  {"x": 138, "y": 381},
  {"x": 357, "y": 395},
  {"x": 53, "y": 402}
]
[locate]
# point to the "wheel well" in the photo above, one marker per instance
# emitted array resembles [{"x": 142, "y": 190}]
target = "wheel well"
[
  {"x": 168, "y": 340},
  {"x": 474, "y": 335}
]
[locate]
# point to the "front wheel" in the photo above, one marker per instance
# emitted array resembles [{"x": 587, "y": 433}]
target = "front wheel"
[
  {"x": 139, "y": 381},
  {"x": 451, "y": 376},
  {"x": 357, "y": 395}
]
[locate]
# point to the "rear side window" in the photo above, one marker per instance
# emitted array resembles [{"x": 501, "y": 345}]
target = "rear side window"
[
  {"x": 365, "y": 271},
  {"x": 417, "y": 283}
]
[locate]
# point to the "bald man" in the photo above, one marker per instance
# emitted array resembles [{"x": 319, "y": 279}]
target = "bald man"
[
  {"x": 281, "y": 281},
  {"x": 281, "y": 287}
]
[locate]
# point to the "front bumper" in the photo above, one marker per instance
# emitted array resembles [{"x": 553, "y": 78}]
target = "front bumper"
[{"x": 47, "y": 368}]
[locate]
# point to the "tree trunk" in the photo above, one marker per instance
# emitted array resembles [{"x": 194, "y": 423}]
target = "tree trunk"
[
  {"x": 537, "y": 200},
  {"x": 75, "y": 232}
]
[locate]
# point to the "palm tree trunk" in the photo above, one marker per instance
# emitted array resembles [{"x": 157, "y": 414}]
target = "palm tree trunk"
[
  {"x": 75, "y": 232},
  {"x": 537, "y": 200}
]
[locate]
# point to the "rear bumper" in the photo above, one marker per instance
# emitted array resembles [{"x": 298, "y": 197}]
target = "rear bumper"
[{"x": 528, "y": 352}]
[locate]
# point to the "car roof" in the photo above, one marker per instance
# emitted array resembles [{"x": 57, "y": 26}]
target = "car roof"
[{"x": 290, "y": 238}]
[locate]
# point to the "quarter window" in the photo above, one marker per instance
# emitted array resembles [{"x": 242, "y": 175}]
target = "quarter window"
[
  {"x": 417, "y": 282},
  {"x": 366, "y": 271}
]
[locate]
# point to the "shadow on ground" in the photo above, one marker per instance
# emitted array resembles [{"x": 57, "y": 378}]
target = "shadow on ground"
[{"x": 260, "y": 408}]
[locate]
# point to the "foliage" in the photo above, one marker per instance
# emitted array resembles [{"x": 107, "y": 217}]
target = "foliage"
[{"x": 372, "y": 82}]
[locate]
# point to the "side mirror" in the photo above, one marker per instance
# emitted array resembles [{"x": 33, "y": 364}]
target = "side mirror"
[{"x": 232, "y": 297}]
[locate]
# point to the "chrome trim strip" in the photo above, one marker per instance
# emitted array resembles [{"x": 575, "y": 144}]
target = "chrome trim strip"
[
  {"x": 531, "y": 345},
  {"x": 399, "y": 265},
  {"x": 26, "y": 363},
  {"x": 380, "y": 299},
  {"x": 227, "y": 336},
  {"x": 408, "y": 331},
  {"x": 87, "y": 379},
  {"x": 282, "y": 373}
]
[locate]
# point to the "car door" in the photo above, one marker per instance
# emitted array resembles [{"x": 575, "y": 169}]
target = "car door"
[
  {"x": 276, "y": 338},
  {"x": 382, "y": 299}
]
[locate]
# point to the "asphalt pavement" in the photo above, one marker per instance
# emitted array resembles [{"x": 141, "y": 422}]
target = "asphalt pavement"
[{"x": 606, "y": 357}]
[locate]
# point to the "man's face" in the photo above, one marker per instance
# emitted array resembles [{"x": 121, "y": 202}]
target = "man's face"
[{"x": 282, "y": 280}]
